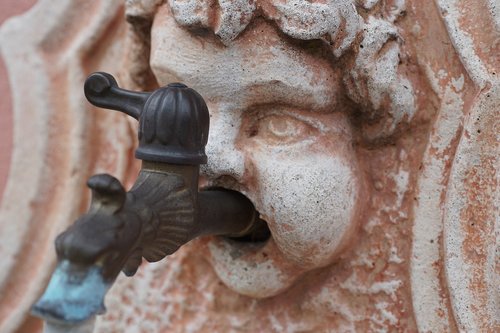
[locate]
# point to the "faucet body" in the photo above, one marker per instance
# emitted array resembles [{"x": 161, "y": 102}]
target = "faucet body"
[{"x": 162, "y": 211}]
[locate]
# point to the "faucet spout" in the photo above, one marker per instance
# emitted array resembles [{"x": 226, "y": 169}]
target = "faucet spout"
[{"x": 162, "y": 211}]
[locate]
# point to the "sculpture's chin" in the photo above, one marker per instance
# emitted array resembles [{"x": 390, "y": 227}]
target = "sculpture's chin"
[
  {"x": 74, "y": 294},
  {"x": 253, "y": 269}
]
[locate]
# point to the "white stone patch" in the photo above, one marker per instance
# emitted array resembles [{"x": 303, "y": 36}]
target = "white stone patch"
[
  {"x": 401, "y": 179},
  {"x": 393, "y": 256},
  {"x": 238, "y": 322},
  {"x": 353, "y": 25},
  {"x": 473, "y": 188},
  {"x": 235, "y": 15},
  {"x": 397, "y": 9},
  {"x": 275, "y": 323},
  {"x": 427, "y": 292},
  {"x": 372, "y": 223},
  {"x": 309, "y": 213},
  {"x": 463, "y": 42},
  {"x": 386, "y": 314},
  {"x": 313, "y": 20},
  {"x": 363, "y": 259},
  {"x": 368, "y": 4},
  {"x": 441, "y": 74},
  {"x": 307, "y": 20},
  {"x": 494, "y": 12},
  {"x": 295, "y": 324},
  {"x": 329, "y": 298},
  {"x": 223, "y": 157},
  {"x": 191, "y": 12},
  {"x": 232, "y": 15},
  {"x": 355, "y": 286},
  {"x": 416, "y": 29},
  {"x": 458, "y": 83},
  {"x": 247, "y": 277},
  {"x": 299, "y": 19},
  {"x": 375, "y": 77}
]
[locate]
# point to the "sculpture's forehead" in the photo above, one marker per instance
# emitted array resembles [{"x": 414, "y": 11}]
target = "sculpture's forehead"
[
  {"x": 260, "y": 67},
  {"x": 336, "y": 21}
]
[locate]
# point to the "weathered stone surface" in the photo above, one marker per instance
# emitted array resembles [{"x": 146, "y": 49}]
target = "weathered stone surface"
[{"x": 365, "y": 132}]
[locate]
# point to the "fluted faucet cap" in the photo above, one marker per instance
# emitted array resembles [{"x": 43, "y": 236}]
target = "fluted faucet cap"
[{"x": 173, "y": 126}]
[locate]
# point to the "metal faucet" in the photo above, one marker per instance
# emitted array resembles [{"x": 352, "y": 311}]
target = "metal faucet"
[{"x": 163, "y": 210}]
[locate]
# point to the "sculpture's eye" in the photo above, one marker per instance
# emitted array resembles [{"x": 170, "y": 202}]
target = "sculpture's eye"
[{"x": 281, "y": 129}]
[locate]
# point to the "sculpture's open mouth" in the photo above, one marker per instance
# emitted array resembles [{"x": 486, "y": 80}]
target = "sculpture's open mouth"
[{"x": 75, "y": 294}]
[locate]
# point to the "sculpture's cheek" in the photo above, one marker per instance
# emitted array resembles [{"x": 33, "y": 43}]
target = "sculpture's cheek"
[
  {"x": 305, "y": 182},
  {"x": 309, "y": 202}
]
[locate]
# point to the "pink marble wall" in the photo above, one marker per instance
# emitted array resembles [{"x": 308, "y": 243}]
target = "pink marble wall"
[{"x": 8, "y": 8}]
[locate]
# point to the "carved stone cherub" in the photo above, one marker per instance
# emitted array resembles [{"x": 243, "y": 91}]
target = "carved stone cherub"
[{"x": 378, "y": 119}]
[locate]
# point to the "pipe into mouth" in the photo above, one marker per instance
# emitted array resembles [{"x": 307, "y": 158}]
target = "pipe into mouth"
[
  {"x": 225, "y": 212},
  {"x": 240, "y": 221},
  {"x": 258, "y": 233},
  {"x": 230, "y": 214},
  {"x": 74, "y": 295}
]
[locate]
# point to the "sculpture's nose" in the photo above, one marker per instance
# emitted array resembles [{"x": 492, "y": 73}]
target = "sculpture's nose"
[{"x": 225, "y": 157}]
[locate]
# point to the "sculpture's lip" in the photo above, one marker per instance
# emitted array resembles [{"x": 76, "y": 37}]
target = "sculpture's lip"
[{"x": 74, "y": 294}]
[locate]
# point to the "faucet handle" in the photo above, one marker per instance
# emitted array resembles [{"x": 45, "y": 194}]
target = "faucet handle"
[
  {"x": 102, "y": 90},
  {"x": 173, "y": 120}
]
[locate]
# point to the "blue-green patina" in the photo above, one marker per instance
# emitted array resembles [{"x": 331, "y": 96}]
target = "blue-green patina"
[{"x": 74, "y": 294}]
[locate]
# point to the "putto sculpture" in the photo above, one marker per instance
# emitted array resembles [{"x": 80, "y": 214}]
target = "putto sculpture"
[{"x": 363, "y": 132}]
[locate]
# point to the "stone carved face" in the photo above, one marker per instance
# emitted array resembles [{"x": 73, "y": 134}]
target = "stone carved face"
[{"x": 280, "y": 131}]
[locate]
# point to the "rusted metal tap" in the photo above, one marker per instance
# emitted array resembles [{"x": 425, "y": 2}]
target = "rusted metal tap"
[{"x": 163, "y": 210}]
